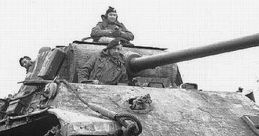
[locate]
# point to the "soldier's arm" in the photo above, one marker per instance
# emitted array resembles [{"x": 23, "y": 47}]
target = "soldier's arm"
[
  {"x": 126, "y": 34},
  {"x": 97, "y": 31},
  {"x": 123, "y": 77},
  {"x": 85, "y": 71}
]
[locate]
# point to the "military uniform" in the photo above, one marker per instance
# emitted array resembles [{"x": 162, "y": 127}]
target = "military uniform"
[
  {"x": 110, "y": 29},
  {"x": 105, "y": 68}
]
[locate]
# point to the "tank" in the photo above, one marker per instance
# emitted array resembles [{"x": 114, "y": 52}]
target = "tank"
[{"x": 51, "y": 102}]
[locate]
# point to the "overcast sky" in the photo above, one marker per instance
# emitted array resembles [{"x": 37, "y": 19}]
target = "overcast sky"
[{"x": 28, "y": 25}]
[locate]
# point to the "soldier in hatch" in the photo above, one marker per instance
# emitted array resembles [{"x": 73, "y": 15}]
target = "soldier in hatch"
[
  {"x": 27, "y": 63},
  {"x": 108, "y": 67},
  {"x": 110, "y": 28}
]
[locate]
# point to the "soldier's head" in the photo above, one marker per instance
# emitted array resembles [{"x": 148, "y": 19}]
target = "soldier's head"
[
  {"x": 25, "y": 62},
  {"x": 114, "y": 48},
  {"x": 111, "y": 14}
]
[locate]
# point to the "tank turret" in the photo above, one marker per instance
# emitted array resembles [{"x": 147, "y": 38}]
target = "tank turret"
[{"x": 147, "y": 65}]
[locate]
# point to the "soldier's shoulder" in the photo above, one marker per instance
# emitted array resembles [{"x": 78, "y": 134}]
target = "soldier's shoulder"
[{"x": 99, "y": 24}]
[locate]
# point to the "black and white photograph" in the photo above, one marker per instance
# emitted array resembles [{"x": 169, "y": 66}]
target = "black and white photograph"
[{"x": 129, "y": 68}]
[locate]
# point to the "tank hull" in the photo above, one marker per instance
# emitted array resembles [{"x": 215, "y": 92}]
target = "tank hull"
[{"x": 176, "y": 112}]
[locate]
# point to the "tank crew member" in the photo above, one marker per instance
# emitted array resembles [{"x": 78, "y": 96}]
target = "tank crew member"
[
  {"x": 27, "y": 63},
  {"x": 110, "y": 28},
  {"x": 107, "y": 67}
]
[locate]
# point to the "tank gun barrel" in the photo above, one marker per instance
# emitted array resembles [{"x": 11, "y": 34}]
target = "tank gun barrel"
[{"x": 140, "y": 63}]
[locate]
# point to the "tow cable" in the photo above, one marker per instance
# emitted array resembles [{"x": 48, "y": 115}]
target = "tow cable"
[
  {"x": 252, "y": 122},
  {"x": 131, "y": 123}
]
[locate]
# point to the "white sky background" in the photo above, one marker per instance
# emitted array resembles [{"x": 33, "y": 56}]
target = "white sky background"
[{"x": 28, "y": 25}]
